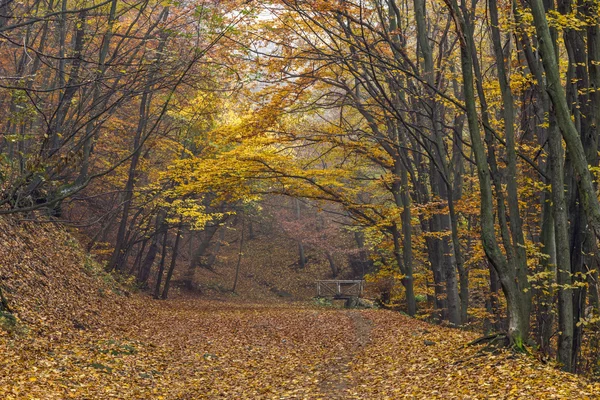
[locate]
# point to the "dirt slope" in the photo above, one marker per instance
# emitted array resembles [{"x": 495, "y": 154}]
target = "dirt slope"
[{"x": 50, "y": 282}]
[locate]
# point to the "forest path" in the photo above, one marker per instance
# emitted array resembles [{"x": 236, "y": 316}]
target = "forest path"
[
  {"x": 188, "y": 349},
  {"x": 283, "y": 351},
  {"x": 335, "y": 383}
]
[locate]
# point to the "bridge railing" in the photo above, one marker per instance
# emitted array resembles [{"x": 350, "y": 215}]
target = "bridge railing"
[{"x": 340, "y": 289}]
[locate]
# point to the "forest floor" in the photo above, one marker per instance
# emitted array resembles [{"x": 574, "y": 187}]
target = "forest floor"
[
  {"x": 77, "y": 333},
  {"x": 193, "y": 349}
]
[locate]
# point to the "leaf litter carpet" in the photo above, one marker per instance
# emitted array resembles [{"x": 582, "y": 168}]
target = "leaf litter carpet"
[{"x": 198, "y": 349}]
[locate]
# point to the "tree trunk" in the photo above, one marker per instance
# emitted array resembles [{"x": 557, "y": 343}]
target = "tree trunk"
[
  {"x": 161, "y": 267},
  {"x": 212, "y": 258},
  {"x": 4, "y": 306},
  {"x": 138, "y": 258},
  {"x": 148, "y": 262},
  {"x": 545, "y": 314},
  {"x": 408, "y": 280},
  {"x": 567, "y": 127},
  {"x": 411, "y": 303},
  {"x": 239, "y": 261},
  {"x": 457, "y": 305},
  {"x": 332, "y": 266},
  {"x": 144, "y": 108},
  {"x": 174, "y": 254},
  {"x": 301, "y": 256},
  {"x": 563, "y": 258},
  {"x": 517, "y": 308},
  {"x": 196, "y": 256}
]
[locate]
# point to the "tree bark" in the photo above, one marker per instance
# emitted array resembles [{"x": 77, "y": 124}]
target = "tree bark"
[
  {"x": 174, "y": 254},
  {"x": 301, "y": 255},
  {"x": 148, "y": 262},
  {"x": 332, "y": 266},
  {"x": 518, "y": 328},
  {"x": 239, "y": 260},
  {"x": 161, "y": 267},
  {"x": 566, "y": 125}
]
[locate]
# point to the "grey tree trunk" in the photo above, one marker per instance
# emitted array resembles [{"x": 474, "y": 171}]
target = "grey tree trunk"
[
  {"x": 301, "y": 255},
  {"x": 518, "y": 315},
  {"x": 197, "y": 254},
  {"x": 515, "y": 220},
  {"x": 411, "y": 303},
  {"x": 566, "y": 125},
  {"x": 545, "y": 317},
  {"x": 332, "y": 266},
  {"x": 239, "y": 260},
  {"x": 402, "y": 245},
  {"x": 174, "y": 254},
  {"x": 408, "y": 281},
  {"x": 457, "y": 304},
  {"x": 146, "y": 266},
  {"x": 161, "y": 267},
  {"x": 563, "y": 254},
  {"x": 545, "y": 312}
]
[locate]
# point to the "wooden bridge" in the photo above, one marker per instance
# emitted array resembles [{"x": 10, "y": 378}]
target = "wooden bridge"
[{"x": 340, "y": 289}]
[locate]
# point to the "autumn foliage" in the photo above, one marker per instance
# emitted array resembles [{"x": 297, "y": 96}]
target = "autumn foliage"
[{"x": 446, "y": 152}]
